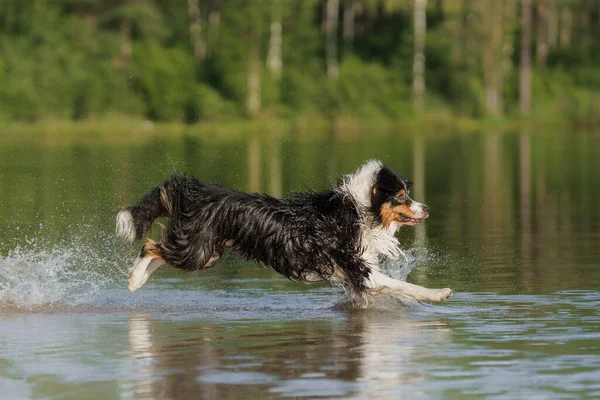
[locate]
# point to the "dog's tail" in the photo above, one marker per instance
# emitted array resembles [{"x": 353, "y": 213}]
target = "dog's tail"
[{"x": 135, "y": 221}]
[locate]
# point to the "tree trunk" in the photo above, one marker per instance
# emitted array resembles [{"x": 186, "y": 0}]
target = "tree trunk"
[
  {"x": 508, "y": 48},
  {"x": 469, "y": 38},
  {"x": 566, "y": 22},
  {"x": 196, "y": 29},
  {"x": 254, "y": 87},
  {"x": 493, "y": 56},
  {"x": 525, "y": 62},
  {"x": 350, "y": 8},
  {"x": 552, "y": 24},
  {"x": 214, "y": 19},
  {"x": 274, "y": 63},
  {"x": 420, "y": 31},
  {"x": 457, "y": 33},
  {"x": 542, "y": 34},
  {"x": 331, "y": 30},
  {"x": 585, "y": 30},
  {"x": 125, "y": 49}
]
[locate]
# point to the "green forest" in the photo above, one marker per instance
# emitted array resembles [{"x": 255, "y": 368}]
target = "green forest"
[{"x": 194, "y": 61}]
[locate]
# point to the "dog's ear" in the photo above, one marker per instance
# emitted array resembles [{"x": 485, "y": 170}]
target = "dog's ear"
[
  {"x": 388, "y": 181},
  {"x": 383, "y": 189}
]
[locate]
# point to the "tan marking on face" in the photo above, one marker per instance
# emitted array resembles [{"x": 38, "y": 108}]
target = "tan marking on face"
[
  {"x": 387, "y": 214},
  {"x": 390, "y": 214},
  {"x": 374, "y": 190},
  {"x": 400, "y": 196}
]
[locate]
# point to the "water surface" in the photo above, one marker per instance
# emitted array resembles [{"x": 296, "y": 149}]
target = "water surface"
[{"x": 514, "y": 229}]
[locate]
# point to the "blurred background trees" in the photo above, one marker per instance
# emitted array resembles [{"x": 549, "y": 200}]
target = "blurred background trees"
[{"x": 214, "y": 60}]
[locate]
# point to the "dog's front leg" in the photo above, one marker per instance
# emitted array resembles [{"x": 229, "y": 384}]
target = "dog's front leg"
[{"x": 377, "y": 280}]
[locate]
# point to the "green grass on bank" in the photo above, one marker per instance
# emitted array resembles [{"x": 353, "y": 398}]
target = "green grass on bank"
[{"x": 130, "y": 130}]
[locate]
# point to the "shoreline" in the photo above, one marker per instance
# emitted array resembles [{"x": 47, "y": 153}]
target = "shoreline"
[{"x": 129, "y": 129}]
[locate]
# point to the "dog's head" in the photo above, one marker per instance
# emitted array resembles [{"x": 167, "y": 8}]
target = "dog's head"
[
  {"x": 384, "y": 193},
  {"x": 390, "y": 200}
]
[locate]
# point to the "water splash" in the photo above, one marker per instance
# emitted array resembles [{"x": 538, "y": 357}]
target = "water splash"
[
  {"x": 67, "y": 274},
  {"x": 401, "y": 268},
  {"x": 50, "y": 274}
]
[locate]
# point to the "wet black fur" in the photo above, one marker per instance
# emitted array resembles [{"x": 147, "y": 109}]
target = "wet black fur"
[{"x": 301, "y": 236}]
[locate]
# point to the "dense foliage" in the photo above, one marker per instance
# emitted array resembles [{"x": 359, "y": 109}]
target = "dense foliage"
[{"x": 205, "y": 60}]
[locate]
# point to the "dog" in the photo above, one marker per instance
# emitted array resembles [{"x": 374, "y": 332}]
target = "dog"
[{"x": 340, "y": 236}]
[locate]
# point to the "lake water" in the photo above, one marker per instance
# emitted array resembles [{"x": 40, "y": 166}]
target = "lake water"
[{"x": 514, "y": 230}]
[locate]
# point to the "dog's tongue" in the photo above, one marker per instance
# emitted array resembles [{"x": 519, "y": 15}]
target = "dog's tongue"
[{"x": 409, "y": 220}]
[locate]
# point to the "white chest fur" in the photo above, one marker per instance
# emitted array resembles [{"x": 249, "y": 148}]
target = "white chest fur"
[{"x": 380, "y": 242}]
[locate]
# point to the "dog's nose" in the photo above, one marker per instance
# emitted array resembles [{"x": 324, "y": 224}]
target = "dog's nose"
[{"x": 425, "y": 208}]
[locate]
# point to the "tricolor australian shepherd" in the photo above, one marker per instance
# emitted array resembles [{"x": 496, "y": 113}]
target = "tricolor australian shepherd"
[{"x": 340, "y": 236}]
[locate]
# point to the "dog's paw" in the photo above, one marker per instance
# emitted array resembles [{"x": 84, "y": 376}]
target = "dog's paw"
[
  {"x": 141, "y": 271},
  {"x": 137, "y": 279},
  {"x": 443, "y": 294}
]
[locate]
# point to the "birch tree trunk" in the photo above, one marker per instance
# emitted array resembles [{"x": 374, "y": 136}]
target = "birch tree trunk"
[
  {"x": 552, "y": 24},
  {"x": 331, "y": 30},
  {"x": 350, "y": 8},
  {"x": 469, "y": 38},
  {"x": 542, "y": 34},
  {"x": 525, "y": 62},
  {"x": 420, "y": 30},
  {"x": 274, "y": 63},
  {"x": 457, "y": 37},
  {"x": 214, "y": 19},
  {"x": 196, "y": 29},
  {"x": 585, "y": 30},
  {"x": 254, "y": 84},
  {"x": 492, "y": 55},
  {"x": 508, "y": 48},
  {"x": 566, "y": 23},
  {"x": 125, "y": 49}
]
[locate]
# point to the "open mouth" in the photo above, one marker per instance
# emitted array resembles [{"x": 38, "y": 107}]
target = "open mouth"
[{"x": 408, "y": 220}]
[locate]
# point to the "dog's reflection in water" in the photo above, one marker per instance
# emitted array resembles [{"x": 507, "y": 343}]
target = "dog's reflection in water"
[{"x": 357, "y": 353}]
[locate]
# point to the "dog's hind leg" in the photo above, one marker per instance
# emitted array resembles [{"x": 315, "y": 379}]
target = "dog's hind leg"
[
  {"x": 141, "y": 270},
  {"x": 147, "y": 262},
  {"x": 378, "y": 281}
]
